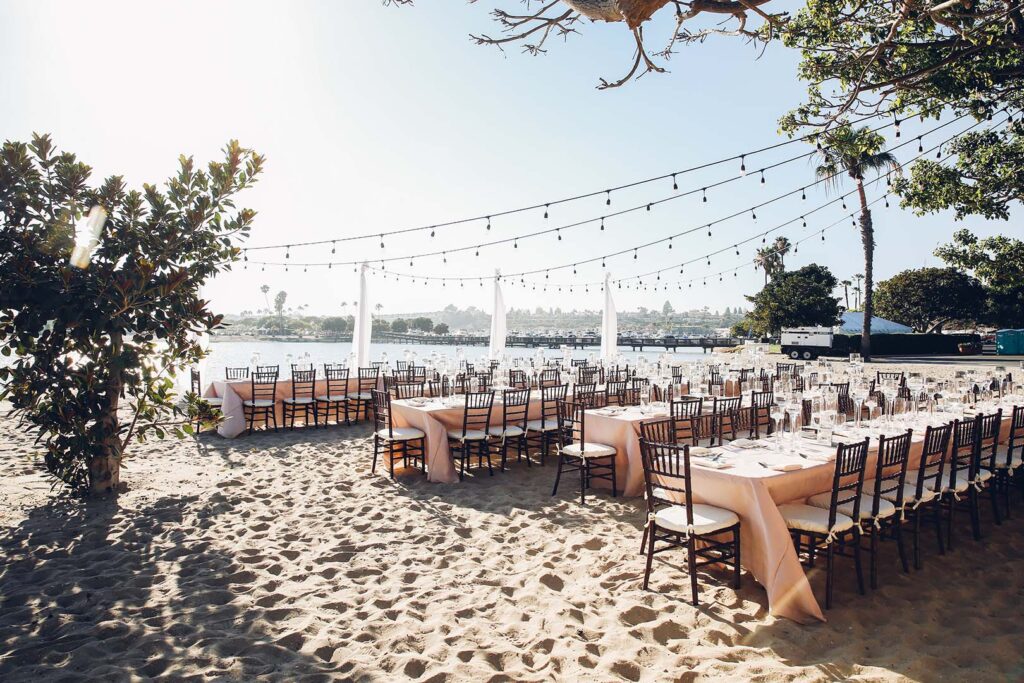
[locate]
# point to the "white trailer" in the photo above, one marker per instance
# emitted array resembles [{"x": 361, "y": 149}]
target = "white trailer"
[{"x": 806, "y": 343}]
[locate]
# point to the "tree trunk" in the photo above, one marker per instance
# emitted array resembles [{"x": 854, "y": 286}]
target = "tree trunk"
[
  {"x": 867, "y": 237},
  {"x": 105, "y": 468}
]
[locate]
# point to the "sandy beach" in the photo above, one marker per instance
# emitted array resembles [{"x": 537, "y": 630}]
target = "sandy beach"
[{"x": 280, "y": 556}]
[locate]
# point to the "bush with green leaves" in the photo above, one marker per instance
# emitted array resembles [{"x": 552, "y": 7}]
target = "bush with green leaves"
[
  {"x": 927, "y": 299},
  {"x": 795, "y": 298},
  {"x": 93, "y": 352}
]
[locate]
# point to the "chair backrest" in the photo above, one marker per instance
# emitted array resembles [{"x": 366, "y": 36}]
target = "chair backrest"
[
  {"x": 303, "y": 383},
  {"x": 483, "y": 381},
  {"x": 589, "y": 374},
  {"x": 966, "y": 450},
  {"x": 368, "y": 378},
  {"x": 615, "y": 393},
  {"x": 784, "y": 369},
  {"x": 377, "y": 364},
  {"x": 586, "y": 394},
  {"x": 848, "y": 478},
  {"x": 722, "y": 406},
  {"x": 408, "y": 390},
  {"x": 517, "y": 379},
  {"x": 659, "y": 431},
  {"x": 636, "y": 387},
  {"x": 548, "y": 378},
  {"x": 476, "y": 414},
  {"x": 549, "y": 399},
  {"x": 842, "y": 388},
  {"x": 197, "y": 385},
  {"x": 762, "y": 399},
  {"x": 667, "y": 471},
  {"x": 382, "y": 411},
  {"x": 337, "y": 379},
  {"x": 933, "y": 459},
  {"x": 899, "y": 377},
  {"x": 988, "y": 439},
  {"x": 401, "y": 365},
  {"x": 677, "y": 374},
  {"x": 571, "y": 423},
  {"x": 418, "y": 373},
  {"x": 276, "y": 369},
  {"x": 263, "y": 386},
  {"x": 686, "y": 415},
  {"x": 236, "y": 373},
  {"x": 806, "y": 410},
  {"x": 1016, "y": 436},
  {"x": 891, "y": 469},
  {"x": 515, "y": 408}
]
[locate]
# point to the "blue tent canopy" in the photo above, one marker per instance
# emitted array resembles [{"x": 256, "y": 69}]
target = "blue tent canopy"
[{"x": 853, "y": 323}]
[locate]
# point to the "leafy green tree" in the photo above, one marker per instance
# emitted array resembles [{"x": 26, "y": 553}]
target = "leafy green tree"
[
  {"x": 441, "y": 328},
  {"x": 666, "y": 309},
  {"x": 998, "y": 262},
  {"x": 334, "y": 324},
  {"x": 853, "y": 152},
  {"x": 90, "y": 345},
  {"x": 795, "y": 299},
  {"x": 926, "y": 299},
  {"x": 399, "y": 326},
  {"x": 422, "y": 324}
]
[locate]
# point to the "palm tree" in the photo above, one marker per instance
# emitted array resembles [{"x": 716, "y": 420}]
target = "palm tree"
[
  {"x": 765, "y": 260},
  {"x": 266, "y": 290},
  {"x": 859, "y": 277},
  {"x": 854, "y": 152},
  {"x": 781, "y": 246},
  {"x": 846, "y": 291}
]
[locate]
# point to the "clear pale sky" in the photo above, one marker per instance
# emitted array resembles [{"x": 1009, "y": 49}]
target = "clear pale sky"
[{"x": 374, "y": 118}]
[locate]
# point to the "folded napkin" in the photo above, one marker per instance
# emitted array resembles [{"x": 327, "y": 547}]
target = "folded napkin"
[
  {"x": 787, "y": 467},
  {"x": 745, "y": 443},
  {"x": 702, "y": 452},
  {"x": 711, "y": 464}
]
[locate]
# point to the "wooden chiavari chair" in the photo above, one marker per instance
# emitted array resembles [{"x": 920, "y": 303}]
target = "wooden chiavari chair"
[
  {"x": 586, "y": 394},
  {"x": 686, "y": 413},
  {"x": 407, "y": 444},
  {"x": 1009, "y": 460},
  {"x": 923, "y": 490},
  {"x": 362, "y": 398},
  {"x": 263, "y": 369},
  {"x": 675, "y": 521},
  {"x": 517, "y": 379},
  {"x": 214, "y": 402},
  {"x": 542, "y": 434},
  {"x": 548, "y": 378},
  {"x": 476, "y": 421},
  {"x": 762, "y": 402},
  {"x": 615, "y": 393},
  {"x": 825, "y": 528},
  {"x": 576, "y": 454},
  {"x": 302, "y": 401},
  {"x": 262, "y": 405},
  {"x": 727, "y": 414},
  {"x": 515, "y": 407},
  {"x": 336, "y": 398},
  {"x": 404, "y": 390}
]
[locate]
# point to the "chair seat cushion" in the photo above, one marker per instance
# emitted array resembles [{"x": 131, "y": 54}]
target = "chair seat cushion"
[
  {"x": 812, "y": 518},
  {"x": 361, "y": 396},
  {"x": 1002, "y": 463},
  {"x": 304, "y": 400},
  {"x": 589, "y": 450},
  {"x": 471, "y": 435},
  {"x": 885, "y": 508},
  {"x": 401, "y": 434},
  {"x": 542, "y": 425},
  {"x": 260, "y": 403},
  {"x": 507, "y": 432},
  {"x": 334, "y": 398},
  {"x": 707, "y": 519},
  {"x": 909, "y": 490}
]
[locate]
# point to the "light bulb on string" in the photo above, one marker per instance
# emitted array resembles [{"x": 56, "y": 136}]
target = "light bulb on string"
[
  {"x": 602, "y": 223},
  {"x": 844, "y": 201},
  {"x": 796, "y": 248},
  {"x": 559, "y": 233},
  {"x": 886, "y": 201},
  {"x": 245, "y": 255},
  {"x": 444, "y": 255},
  {"x": 888, "y": 179},
  {"x": 938, "y": 152},
  {"x": 329, "y": 265},
  {"x": 545, "y": 211},
  {"x": 675, "y": 186},
  {"x": 804, "y": 220},
  {"x": 305, "y": 269},
  {"x": 743, "y": 164},
  {"x": 709, "y": 230},
  {"x": 602, "y": 262},
  {"x": 648, "y": 207},
  {"x": 288, "y": 251},
  {"x": 822, "y": 235},
  {"x": 753, "y": 215},
  {"x": 547, "y": 275},
  {"x": 762, "y": 176},
  {"x": 897, "y": 124},
  {"x": 737, "y": 248},
  {"x": 920, "y": 146},
  {"x": 669, "y": 242},
  {"x": 634, "y": 254},
  {"x": 515, "y": 244},
  {"x": 478, "y": 250},
  {"x": 382, "y": 241},
  {"x": 488, "y": 223},
  {"x": 803, "y": 193},
  {"x": 704, "y": 198},
  {"x": 574, "y": 269},
  {"x": 431, "y": 232},
  {"x": 608, "y": 198}
]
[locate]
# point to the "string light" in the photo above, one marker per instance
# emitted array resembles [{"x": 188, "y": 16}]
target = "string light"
[
  {"x": 704, "y": 190},
  {"x": 762, "y": 176},
  {"x": 559, "y": 235},
  {"x": 608, "y": 198},
  {"x": 804, "y": 221},
  {"x": 920, "y": 145},
  {"x": 602, "y": 223},
  {"x": 743, "y": 164},
  {"x": 803, "y": 193},
  {"x": 488, "y": 223},
  {"x": 675, "y": 185},
  {"x": 669, "y": 242},
  {"x": 545, "y": 211},
  {"x": 897, "y": 124},
  {"x": 382, "y": 241},
  {"x": 288, "y": 252}
]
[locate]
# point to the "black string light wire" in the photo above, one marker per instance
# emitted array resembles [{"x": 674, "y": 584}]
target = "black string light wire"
[
  {"x": 514, "y": 240},
  {"x": 607, "y": 193}
]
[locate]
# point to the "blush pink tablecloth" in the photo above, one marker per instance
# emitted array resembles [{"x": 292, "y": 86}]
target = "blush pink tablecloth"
[
  {"x": 235, "y": 391},
  {"x": 754, "y": 493},
  {"x": 434, "y": 419}
]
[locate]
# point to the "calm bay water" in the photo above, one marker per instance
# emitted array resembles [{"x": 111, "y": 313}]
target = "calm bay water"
[{"x": 240, "y": 354}]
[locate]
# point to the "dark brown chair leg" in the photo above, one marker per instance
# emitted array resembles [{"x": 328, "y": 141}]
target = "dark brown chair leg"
[
  {"x": 691, "y": 561},
  {"x": 649, "y": 531},
  {"x": 736, "y": 558}
]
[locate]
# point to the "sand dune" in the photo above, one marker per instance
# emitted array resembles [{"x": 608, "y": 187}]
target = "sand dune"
[{"x": 280, "y": 556}]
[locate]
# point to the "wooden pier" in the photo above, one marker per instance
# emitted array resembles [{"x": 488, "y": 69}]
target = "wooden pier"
[{"x": 557, "y": 342}]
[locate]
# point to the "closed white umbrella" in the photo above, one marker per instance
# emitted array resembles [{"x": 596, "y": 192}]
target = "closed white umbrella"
[
  {"x": 363, "y": 325},
  {"x": 499, "y": 327},
  {"x": 609, "y": 324}
]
